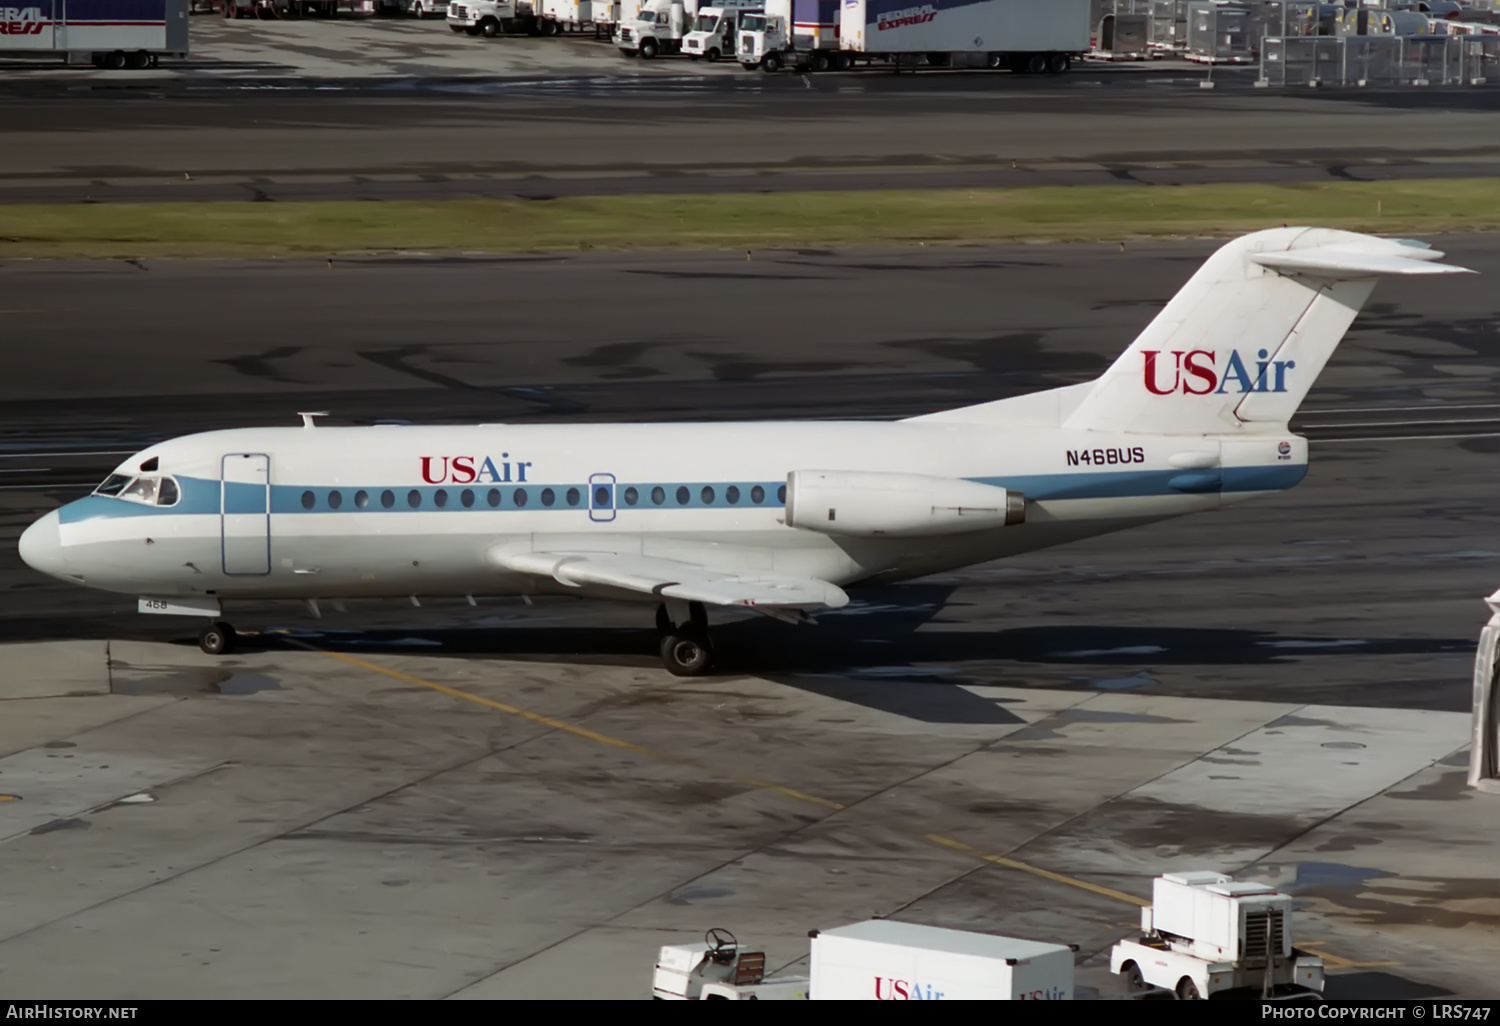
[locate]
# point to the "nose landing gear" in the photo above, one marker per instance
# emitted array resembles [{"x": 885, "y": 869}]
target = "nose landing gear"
[
  {"x": 218, "y": 638},
  {"x": 685, "y": 648}
]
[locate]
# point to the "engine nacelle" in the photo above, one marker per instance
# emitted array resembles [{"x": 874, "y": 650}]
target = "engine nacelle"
[{"x": 869, "y": 504}]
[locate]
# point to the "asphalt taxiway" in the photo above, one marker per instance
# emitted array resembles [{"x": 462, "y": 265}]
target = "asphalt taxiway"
[{"x": 476, "y": 802}]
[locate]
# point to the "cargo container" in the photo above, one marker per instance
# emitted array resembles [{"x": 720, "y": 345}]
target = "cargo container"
[
  {"x": 885, "y": 960},
  {"x": 109, "y": 33},
  {"x": 1022, "y": 35}
]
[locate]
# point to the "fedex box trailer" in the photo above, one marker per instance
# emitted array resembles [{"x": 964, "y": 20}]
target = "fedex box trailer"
[
  {"x": 113, "y": 33},
  {"x": 1024, "y": 35},
  {"x": 889, "y": 961}
]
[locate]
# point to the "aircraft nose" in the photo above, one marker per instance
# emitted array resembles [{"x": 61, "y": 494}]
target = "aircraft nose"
[{"x": 41, "y": 546}]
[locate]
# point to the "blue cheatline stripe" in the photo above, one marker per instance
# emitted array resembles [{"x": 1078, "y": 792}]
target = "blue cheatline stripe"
[{"x": 202, "y": 496}]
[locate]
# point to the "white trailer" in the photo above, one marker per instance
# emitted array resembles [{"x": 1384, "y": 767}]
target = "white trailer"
[
  {"x": 1204, "y": 934},
  {"x": 1032, "y": 36},
  {"x": 889, "y": 961},
  {"x": 109, "y": 33}
]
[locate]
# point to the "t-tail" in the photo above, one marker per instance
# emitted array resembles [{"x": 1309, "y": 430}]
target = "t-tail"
[{"x": 1238, "y": 348}]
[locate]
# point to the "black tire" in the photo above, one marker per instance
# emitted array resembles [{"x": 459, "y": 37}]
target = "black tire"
[
  {"x": 1187, "y": 990},
  {"x": 748, "y": 65},
  {"x": 819, "y": 61},
  {"x": 770, "y": 63},
  {"x": 138, "y": 60},
  {"x": 1059, "y": 63},
  {"x": 713, "y": 55},
  {"x": 1132, "y": 980},
  {"x": 842, "y": 62},
  {"x": 649, "y": 48},
  {"x": 490, "y": 28},
  {"x": 994, "y": 60},
  {"x": 1036, "y": 64},
  {"x": 217, "y": 638},
  {"x": 114, "y": 61},
  {"x": 551, "y": 28},
  {"x": 685, "y": 653}
]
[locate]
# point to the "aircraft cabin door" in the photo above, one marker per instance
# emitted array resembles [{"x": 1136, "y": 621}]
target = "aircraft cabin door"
[
  {"x": 601, "y": 498},
  {"x": 245, "y": 513}
]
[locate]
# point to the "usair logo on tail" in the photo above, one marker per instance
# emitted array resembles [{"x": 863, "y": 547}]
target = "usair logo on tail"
[{"x": 1196, "y": 372}]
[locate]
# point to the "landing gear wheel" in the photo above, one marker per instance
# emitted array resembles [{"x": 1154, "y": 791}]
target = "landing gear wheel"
[
  {"x": 1187, "y": 990},
  {"x": 685, "y": 652},
  {"x": 217, "y": 638}
]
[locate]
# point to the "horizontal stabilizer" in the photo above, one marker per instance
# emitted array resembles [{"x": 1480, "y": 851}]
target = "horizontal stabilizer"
[
  {"x": 669, "y": 578},
  {"x": 1340, "y": 263}
]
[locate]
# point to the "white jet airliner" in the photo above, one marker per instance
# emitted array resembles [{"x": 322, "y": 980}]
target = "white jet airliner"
[{"x": 775, "y": 517}]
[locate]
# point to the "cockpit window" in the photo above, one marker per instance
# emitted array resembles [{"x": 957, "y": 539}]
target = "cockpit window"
[
  {"x": 112, "y": 485},
  {"x": 142, "y": 489},
  {"x": 149, "y": 490}
]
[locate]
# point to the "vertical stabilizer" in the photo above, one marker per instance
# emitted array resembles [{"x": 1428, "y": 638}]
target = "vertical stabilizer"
[{"x": 1238, "y": 348}]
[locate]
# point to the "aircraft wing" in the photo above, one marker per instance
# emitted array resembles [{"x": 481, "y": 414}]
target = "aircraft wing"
[{"x": 670, "y": 578}]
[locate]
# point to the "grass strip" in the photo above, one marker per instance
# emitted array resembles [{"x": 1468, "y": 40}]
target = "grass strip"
[{"x": 740, "y": 220}]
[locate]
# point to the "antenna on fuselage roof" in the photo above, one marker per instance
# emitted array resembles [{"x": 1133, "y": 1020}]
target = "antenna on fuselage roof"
[{"x": 307, "y": 418}]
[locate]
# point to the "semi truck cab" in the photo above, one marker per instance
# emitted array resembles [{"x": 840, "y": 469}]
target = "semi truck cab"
[{"x": 490, "y": 18}]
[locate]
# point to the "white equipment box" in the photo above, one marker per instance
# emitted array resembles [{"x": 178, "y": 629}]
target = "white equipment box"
[{"x": 1204, "y": 933}]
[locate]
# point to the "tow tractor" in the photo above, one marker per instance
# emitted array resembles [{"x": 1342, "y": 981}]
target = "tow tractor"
[
  {"x": 1205, "y": 935},
  {"x": 718, "y": 969}
]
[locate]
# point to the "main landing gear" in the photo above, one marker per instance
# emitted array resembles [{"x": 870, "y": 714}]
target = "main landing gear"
[
  {"x": 217, "y": 638},
  {"x": 685, "y": 647}
]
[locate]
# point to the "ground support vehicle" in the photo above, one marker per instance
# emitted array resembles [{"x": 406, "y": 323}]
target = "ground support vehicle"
[
  {"x": 1028, "y": 36},
  {"x": 715, "y": 33},
  {"x": 1204, "y": 935},
  {"x": 878, "y": 959},
  {"x": 107, "y": 33},
  {"x": 662, "y": 26},
  {"x": 718, "y": 968}
]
